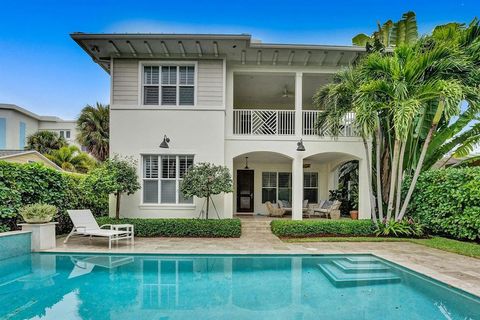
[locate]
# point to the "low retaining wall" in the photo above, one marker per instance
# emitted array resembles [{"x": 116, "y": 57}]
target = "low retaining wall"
[{"x": 15, "y": 243}]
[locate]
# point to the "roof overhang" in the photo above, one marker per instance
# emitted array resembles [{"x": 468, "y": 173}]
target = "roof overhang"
[
  {"x": 235, "y": 48},
  {"x": 8, "y": 106}
]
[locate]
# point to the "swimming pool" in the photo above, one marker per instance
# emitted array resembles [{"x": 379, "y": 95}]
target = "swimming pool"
[{"x": 61, "y": 286}]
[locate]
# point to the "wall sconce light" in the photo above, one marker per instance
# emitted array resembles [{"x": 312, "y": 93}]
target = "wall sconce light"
[
  {"x": 246, "y": 163},
  {"x": 300, "y": 146},
  {"x": 165, "y": 142}
]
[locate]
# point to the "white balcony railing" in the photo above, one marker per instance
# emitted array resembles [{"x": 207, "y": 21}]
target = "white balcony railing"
[
  {"x": 282, "y": 123},
  {"x": 309, "y": 120},
  {"x": 263, "y": 122}
]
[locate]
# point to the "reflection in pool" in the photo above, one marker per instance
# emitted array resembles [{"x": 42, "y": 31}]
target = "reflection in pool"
[{"x": 50, "y": 286}]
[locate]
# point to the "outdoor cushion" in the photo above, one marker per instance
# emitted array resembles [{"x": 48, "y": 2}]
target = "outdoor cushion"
[{"x": 327, "y": 204}]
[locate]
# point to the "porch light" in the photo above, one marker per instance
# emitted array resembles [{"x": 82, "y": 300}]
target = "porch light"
[
  {"x": 165, "y": 142},
  {"x": 246, "y": 163},
  {"x": 300, "y": 146}
]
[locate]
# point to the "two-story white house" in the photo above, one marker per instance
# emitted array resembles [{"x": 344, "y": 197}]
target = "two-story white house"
[
  {"x": 224, "y": 99},
  {"x": 17, "y": 123}
]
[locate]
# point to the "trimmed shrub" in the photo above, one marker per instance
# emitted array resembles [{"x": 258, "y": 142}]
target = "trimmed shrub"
[
  {"x": 447, "y": 202},
  {"x": 24, "y": 184},
  {"x": 196, "y": 228},
  {"x": 322, "y": 228}
]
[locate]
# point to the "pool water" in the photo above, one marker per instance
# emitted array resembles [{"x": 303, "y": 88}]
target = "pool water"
[{"x": 59, "y": 286}]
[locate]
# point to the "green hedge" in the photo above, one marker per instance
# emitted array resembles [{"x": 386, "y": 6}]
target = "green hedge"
[
  {"x": 22, "y": 184},
  {"x": 447, "y": 202},
  {"x": 198, "y": 228},
  {"x": 320, "y": 228}
]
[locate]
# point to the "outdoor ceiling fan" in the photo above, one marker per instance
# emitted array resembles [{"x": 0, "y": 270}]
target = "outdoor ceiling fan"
[{"x": 286, "y": 93}]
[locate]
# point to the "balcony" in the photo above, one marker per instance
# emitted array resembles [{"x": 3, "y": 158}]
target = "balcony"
[
  {"x": 264, "y": 122},
  {"x": 261, "y": 122},
  {"x": 309, "y": 119}
]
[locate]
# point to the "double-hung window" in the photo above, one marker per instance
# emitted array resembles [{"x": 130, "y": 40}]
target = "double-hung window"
[
  {"x": 169, "y": 85},
  {"x": 65, "y": 134},
  {"x": 162, "y": 178},
  {"x": 310, "y": 186},
  {"x": 269, "y": 187},
  {"x": 276, "y": 186}
]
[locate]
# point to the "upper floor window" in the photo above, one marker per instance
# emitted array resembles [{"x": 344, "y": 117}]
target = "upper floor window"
[
  {"x": 65, "y": 134},
  {"x": 169, "y": 85}
]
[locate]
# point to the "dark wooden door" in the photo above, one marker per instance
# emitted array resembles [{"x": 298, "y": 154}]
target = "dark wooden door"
[{"x": 245, "y": 191}]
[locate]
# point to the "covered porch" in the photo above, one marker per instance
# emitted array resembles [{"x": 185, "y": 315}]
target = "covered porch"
[{"x": 299, "y": 186}]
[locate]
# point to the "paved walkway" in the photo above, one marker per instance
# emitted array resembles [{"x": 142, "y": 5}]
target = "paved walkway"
[{"x": 453, "y": 269}]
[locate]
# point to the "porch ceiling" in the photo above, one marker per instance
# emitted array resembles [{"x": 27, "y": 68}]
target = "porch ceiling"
[
  {"x": 267, "y": 90},
  {"x": 237, "y": 48},
  {"x": 262, "y": 157},
  {"x": 329, "y": 157}
]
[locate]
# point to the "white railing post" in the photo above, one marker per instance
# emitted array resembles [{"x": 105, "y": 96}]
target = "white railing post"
[{"x": 298, "y": 104}]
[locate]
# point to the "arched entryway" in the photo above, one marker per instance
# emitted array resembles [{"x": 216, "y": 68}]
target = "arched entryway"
[{"x": 261, "y": 176}]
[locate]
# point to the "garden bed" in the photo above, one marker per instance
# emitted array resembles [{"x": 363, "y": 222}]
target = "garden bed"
[{"x": 190, "y": 228}]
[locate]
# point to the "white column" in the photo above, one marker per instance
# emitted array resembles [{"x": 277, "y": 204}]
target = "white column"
[
  {"x": 229, "y": 104},
  {"x": 298, "y": 104},
  {"x": 228, "y": 198},
  {"x": 363, "y": 191},
  {"x": 297, "y": 187}
]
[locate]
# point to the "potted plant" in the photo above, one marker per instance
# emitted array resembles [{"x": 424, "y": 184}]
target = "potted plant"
[
  {"x": 354, "y": 203},
  {"x": 38, "y": 213}
]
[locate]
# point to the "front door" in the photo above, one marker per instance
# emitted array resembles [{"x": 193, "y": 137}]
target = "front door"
[{"x": 245, "y": 191}]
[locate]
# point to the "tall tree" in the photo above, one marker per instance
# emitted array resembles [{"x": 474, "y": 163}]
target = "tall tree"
[
  {"x": 93, "y": 128},
  {"x": 45, "y": 141},
  {"x": 204, "y": 180},
  {"x": 116, "y": 176},
  {"x": 390, "y": 34},
  {"x": 72, "y": 159},
  {"x": 408, "y": 97}
]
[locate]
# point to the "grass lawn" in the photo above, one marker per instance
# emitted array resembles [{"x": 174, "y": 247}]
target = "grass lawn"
[{"x": 464, "y": 248}]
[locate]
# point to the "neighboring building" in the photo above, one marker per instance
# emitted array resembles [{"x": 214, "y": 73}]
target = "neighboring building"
[
  {"x": 224, "y": 99},
  {"x": 27, "y": 156},
  {"x": 17, "y": 123}
]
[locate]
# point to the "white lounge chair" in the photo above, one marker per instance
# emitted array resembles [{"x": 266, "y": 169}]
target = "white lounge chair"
[{"x": 84, "y": 224}]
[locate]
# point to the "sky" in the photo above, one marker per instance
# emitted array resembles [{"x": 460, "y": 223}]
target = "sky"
[{"x": 43, "y": 70}]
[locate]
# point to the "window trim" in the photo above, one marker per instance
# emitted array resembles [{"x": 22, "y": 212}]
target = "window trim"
[
  {"x": 159, "y": 180},
  {"x": 160, "y": 63},
  {"x": 277, "y": 187},
  {"x": 311, "y": 188}
]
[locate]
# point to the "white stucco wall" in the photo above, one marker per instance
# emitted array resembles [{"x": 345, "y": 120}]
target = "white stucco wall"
[
  {"x": 136, "y": 132},
  {"x": 14, "y": 115},
  {"x": 13, "y": 119},
  {"x": 56, "y": 126}
]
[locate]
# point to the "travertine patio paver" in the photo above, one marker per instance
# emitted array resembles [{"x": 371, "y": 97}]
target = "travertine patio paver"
[{"x": 456, "y": 270}]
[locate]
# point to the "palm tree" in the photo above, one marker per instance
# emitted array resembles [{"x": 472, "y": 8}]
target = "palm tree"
[
  {"x": 400, "y": 100},
  {"x": 45, "y": 141},
  {"x": 337, "y": 99},
  {"x": 404, "y": 31},
  {"x": 93, "y": 127},
  {"x": 72, "y": 159}
]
